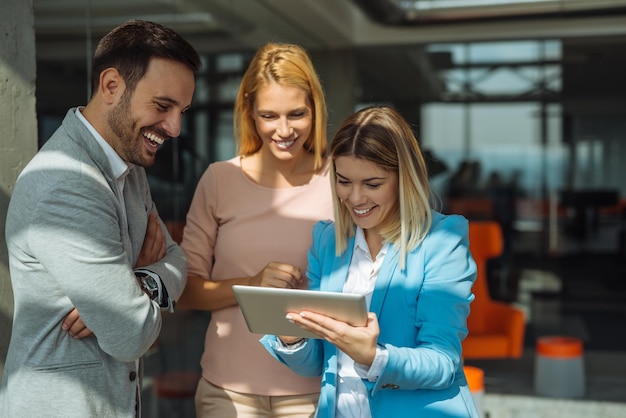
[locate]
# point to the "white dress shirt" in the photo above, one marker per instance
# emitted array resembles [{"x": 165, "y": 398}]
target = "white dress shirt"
[
  {"x": 352, "y": 400},
  {"x": 118, "y": 166}
]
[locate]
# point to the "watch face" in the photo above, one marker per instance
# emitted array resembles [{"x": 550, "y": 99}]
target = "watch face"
[{"x": 149, "y": 283}]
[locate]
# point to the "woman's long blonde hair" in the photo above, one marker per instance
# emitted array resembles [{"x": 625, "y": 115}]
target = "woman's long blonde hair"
[
  {"x": 379, "y": 134},
  {"x": 288, "y": 65}
]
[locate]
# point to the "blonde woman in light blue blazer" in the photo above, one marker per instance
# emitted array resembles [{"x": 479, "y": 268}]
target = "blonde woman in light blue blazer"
[{"x": 414, "y": 266}]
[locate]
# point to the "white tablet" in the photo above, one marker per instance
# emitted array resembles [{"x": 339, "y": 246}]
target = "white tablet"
[{"x": 265, "y": 308}]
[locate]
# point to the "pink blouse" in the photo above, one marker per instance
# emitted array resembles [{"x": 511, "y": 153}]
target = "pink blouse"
[{"x": 234, "y": 228}]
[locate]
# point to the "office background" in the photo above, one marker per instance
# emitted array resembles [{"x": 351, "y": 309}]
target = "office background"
[{"x": 520, "y": 105}]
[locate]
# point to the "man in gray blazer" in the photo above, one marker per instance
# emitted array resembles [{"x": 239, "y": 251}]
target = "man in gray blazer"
[{"x": 91, "y": 264}]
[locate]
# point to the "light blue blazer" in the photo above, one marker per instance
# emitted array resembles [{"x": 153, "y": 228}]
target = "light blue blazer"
[{"x": 422, "y": 311}]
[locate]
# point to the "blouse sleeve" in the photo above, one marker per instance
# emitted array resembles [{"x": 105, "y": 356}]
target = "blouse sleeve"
[{"x": 201, "y": 227}]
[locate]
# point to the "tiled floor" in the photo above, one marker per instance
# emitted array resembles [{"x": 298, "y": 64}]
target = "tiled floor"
[
  {"x": 509, "y": 388},
  {"x": 514, "y": 406}
]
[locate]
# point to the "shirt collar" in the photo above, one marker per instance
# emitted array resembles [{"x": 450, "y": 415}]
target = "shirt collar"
[
  {"x": 361, "y": 244},
  {"x": 119, "y": 167}
]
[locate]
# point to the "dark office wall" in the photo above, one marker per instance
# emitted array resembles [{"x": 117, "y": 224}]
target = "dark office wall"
[{"x": 594, "y": 108}]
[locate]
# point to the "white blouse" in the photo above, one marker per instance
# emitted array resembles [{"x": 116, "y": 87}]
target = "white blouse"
[{"x": 352, "y": 400}]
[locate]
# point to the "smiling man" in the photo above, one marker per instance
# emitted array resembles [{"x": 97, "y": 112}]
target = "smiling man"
[{"x": 92, "y": 265}]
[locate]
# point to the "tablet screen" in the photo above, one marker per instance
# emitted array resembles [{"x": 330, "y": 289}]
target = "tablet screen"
[{"x": 265, "y": 308}]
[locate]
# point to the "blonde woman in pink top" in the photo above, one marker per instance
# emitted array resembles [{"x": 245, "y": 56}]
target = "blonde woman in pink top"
[{"x": 250, "y": 223}]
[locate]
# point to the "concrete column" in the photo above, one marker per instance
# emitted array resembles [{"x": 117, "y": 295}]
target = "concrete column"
[{"x": 18, "y": 129}]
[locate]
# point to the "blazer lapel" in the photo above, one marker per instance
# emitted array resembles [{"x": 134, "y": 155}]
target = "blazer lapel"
[
  {"x": 387, "y": 270},
  {"x": 339, "y": 269}
]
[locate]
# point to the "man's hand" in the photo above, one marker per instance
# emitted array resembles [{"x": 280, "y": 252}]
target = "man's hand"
[
  {"x": 75, "y": 326},
  {"x": 153, "y": 248}
]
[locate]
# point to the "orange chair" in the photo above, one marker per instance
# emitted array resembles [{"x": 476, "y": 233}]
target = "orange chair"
[{"x": 496, "y": 329}]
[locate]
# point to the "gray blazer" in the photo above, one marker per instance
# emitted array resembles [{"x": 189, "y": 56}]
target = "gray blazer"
[{"x": 70, "y": 246}]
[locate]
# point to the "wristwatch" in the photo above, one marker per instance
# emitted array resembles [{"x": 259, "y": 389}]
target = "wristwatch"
[{"x": 149, "y": 284}]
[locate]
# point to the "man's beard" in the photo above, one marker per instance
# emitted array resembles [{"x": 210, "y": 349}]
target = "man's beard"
[{"x": 129, "y": 138}]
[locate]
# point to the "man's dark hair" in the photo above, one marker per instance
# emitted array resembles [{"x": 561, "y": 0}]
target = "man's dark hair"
[{"x": 130, "y": 47}]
